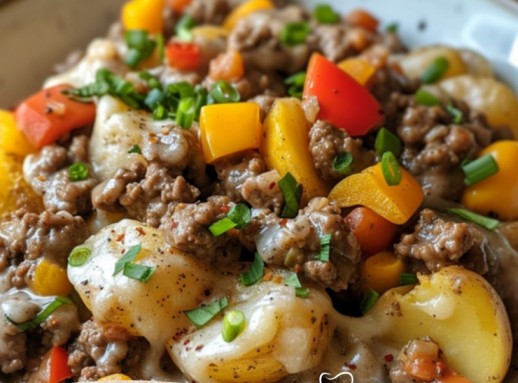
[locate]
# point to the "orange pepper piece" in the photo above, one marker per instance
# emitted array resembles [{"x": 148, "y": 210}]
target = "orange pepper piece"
[
  {"x": 227, "y": 66},
  {"x": 359, "y": 69},
  {"x": 381, "y": 272}
]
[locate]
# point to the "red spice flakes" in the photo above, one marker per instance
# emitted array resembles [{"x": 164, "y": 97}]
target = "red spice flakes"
[
  {"x": 198, "y": 347},
  {"x": 186, "y": 342},
  {"x": 388, "y": 358},
  {"x": 283, "y": 222},
  {"x": 140, "y": 230},
  {"x": 272, "y": 185},
  {"x": 351, "y": 366},
  {"x": 120, "y": 237},
  {"x": 174, "y": 224},
  {"x": 297, "y": 268},
  {"x": 224, "y": 209}
]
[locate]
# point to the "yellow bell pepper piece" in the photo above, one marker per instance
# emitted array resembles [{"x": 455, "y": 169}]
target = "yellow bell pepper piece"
[
  {"x": 286, "y": 146},
  {"x": 229, "y": 128},
  {"x": 245, "y": 9},
  {"x": 381, "y": 272},
  {"x": 369, "y": 188},
  {"x": 359, "y": 69},
  {"x": 114, "y": 377},
  {"x": 497, "y": 194},
  {"x": 50, "y": 279},
  {"x": 143, "y": 14},
  {"x": 12, "y": 141},
  {"x": 209, "y": 32}
]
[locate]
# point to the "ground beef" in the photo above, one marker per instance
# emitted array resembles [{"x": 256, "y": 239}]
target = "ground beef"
[
  {"x": 209, "y": 11},
  {"x": 144, "y": 193},
  {"x": 296, "y": 242},
  {"x": 61, "y": 325},
  {"x": 265, "y": 102},
  {"x": 263, "y": 192},
  {"x": 327, "y": 142},
  {"x": 338, "y": 41},
  {"x": 257, "y": 39},
  {"x": 233, "y": 172},
  {"x": 186, "y": 228},
  {"x": 388, "y": 86},
  {"x": 439, "y": 241}
]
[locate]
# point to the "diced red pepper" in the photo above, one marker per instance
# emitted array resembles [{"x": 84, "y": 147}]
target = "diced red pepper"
[
  {"x": 49, "y": 114},
  {"x": 183, "y": 56},
  {"x": 59, "y": 370},
  {"x": 343, "y": 102}
]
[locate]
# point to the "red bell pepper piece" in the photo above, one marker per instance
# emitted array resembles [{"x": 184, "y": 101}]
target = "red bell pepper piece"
[
  {"x": 343, "y": 102},
  {"x": 49, "y": 114},
  {"x": 183, "y": 56},
  {"x": 59, "y": 369}
]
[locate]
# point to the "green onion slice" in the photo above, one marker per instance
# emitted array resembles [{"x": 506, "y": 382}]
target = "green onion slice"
[
  {"x": 42, "y": 315},
  {"x": 79, "y": 256},
  {"x": 296, "y": 83},
  {"x": 293, "y": 280},
  {"x": 186, "y": 112},
  {"x": 255, "y": 273},
  {"x": 184, "y": 27},
  {"x": 479, "y": 169},
  {"x": 325, "y": 14},
  {"x": 295, "y": 33},
  {"x": 408, "y": 279},
  {"x": 238, "y": 217},
  {"x": 221, "y": 226},
  {"x": 390, "y": 169},
  {"x": 386, "y": 141},
  {"x": 140, "y": 47},
  {"x": 78, "y": 171},
  {"x": 435, "y": 71},
  {"x": 128, "y": 257},
  {"x": 368, "y": 301},
  {"x": 486, "y": 222},
  {"x": 233, "y": 325},
  {"x": 392, "y": 27},
  {"x": 456, "y": 114},
  {"x": 202, "y": 315},
  {"x": 292, "y": 192},
  {"x": 140, "y": 273},
  {"x": 325, "y": 247},
  {"x": 135, "y": 149},
  {"x": 343, "y": 164},
  {"x": 223, "y": 92},
  {"x": 422, "y": 97}
]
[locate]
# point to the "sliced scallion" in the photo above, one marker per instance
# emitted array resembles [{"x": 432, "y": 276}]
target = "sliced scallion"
[
  {"x": 296, "y": 83},
  {"x": 422, "y": 97},
  {"x": 293, "y": 280},
  {"x": 368, "y": 301},
  {"x": 43, "y": 315},
  {"x": 223, "y": 92},
  {"x": 255, "y": 273},
  {"x": 140, "y": 47},
  {"x": 486, "y": 222},
  {"x": 386, "y": 141},
  {"x": 79, "y": 256},
  {"x": 135, "y": 149},
  {"x": 295, "y": 33},
  {"x": 392, "y": 28},
  {"x": 238, "y": 217},
  {"x": 390, "y": 169},
  {"x": 455, "y": 113},
  {"x": 221, "y": 226},
  {"x": 408, "y": 279},
  {"x": 186, "y": 112},
  {"x": 325, "y": 14},
  {"x": 202, "y": 315},
  {"x": 343, "y": 163},
  {"x": 325, "y": 247},
  {"x": 292, "y": 192},
  {"x": 78, "y": 171},
  {"x": 128, "y": 257},
  {"x": 435, "y": 71},
  {"x": 479, "y": 169},
  {"x": 140, "y": 273},
  {"x": 233, "y": 325},
  {"x": 184, "y": 27}
]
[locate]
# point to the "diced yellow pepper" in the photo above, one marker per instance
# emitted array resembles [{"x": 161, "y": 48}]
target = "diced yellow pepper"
[
  {"x": 114, "y": 377},
  {"x": 497, "y": 194},
  {"x": 143, "y": 14},
  {"x": 359, "y": 69},
  {"x": 229, "y": 128},
  {"x": 245, "y": 9},
  {"x": 12, "y": 141},
  {"x": 209, "y": 32},
  {"x": 286, "y": 146},
  {"x": 381, "y": 272},
  {"x": 369, "y": 188},
  {"x": 50, "y": 279}
]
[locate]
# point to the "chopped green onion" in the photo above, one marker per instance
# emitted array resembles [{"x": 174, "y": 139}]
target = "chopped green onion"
[
  {"x": 325, "y": 247},
  {"x": 221, "y": 226},
  {"x": 408, "y": 279},
  {"x": 140, "y": 47},
  {"x": 292, "y": 192},
  {"x": 151, "y": 81},
  {"x": 297, "y": 84},
  {"x": 160, "y": 46},
  {"x": 184, "y": 27},
  {"x": 139, "y": 272},
  {"x": 293, "y": 280},
  {"x": 486, "y": 222},
  {"x": 422, "y": 97},
  {"x": 456, "y": 114},
  {"x": 255, "y": 273},
  {"x": 183, "y": 89},
  {"x": 185, "y": 112},
  {"x": 223, "y": 92},
  {"x": 135, "y": 149},
  {"x": 295, "y": 33},
  {"x": 390, "y": 169},
  {"x": 480, "y": 169},
  {"x": 159, "y": 113},
  {"x": 325, "y": 14},
  {"x": 435, "y": 71},
  {"x": 202, "y": 315},
  {"x": 78, "y": 171},
  {"x": 154, "y": 98},
  {"x": 128, "y": 257},
  {"x": 392, "y": 27},
  {"x": 343, "y": 164},
  {"x": 233, "y": 325},
  {"x": 241, "y": 215},
  {"x": 79, "y": 256},
  {"x": 386, "y": 141},
  {"x": 368, "y": 301},
  {"x": 43, "y": 315}
]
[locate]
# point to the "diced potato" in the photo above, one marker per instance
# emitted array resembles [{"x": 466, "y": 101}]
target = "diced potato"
[
  {"x": 486, "y": 95},
  {"x": 476, "y": 64},
  {"x": 284, "y": 335}
]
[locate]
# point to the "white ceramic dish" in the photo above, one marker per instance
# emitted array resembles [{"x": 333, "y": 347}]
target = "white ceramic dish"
[{"x": 38, "y": 34}]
